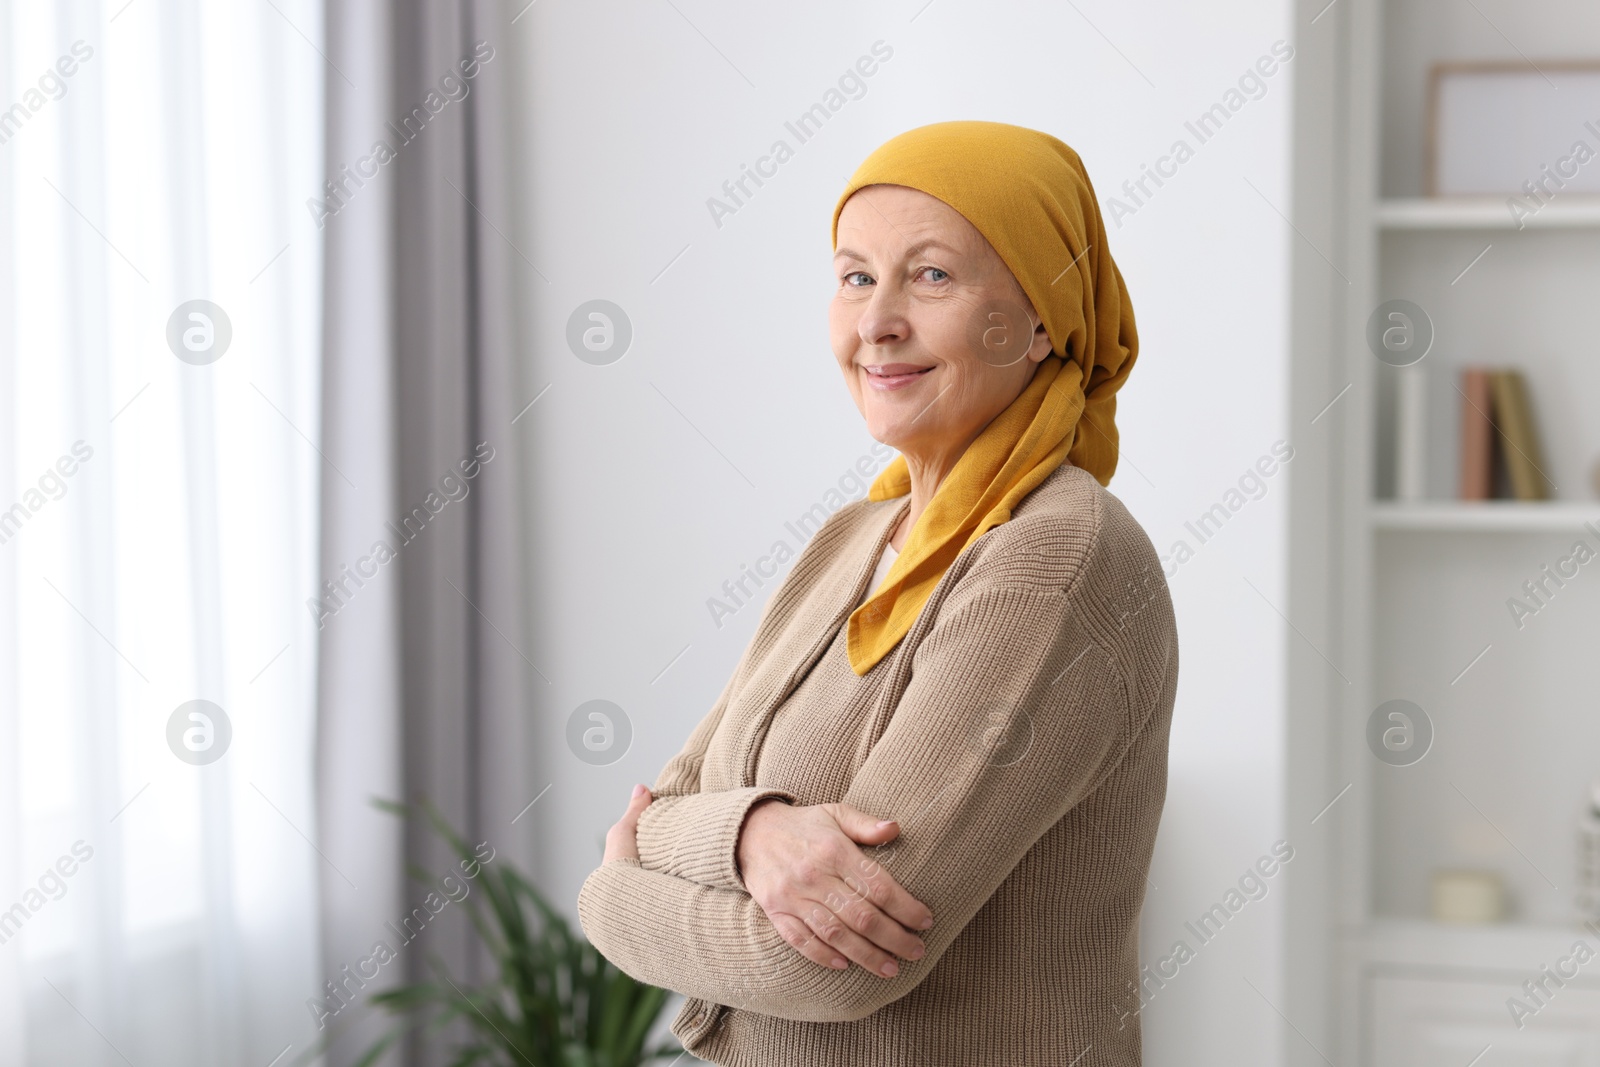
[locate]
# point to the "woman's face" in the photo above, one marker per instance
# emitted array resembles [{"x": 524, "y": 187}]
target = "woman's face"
[{"x": 923, "y": 296}]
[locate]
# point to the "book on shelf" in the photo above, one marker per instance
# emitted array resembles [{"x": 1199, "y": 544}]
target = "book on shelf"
[
  {"x": 1477, "y": 435},
  {"x": 1520, "y": 453},
  {"x": 1500, "y": 453}
]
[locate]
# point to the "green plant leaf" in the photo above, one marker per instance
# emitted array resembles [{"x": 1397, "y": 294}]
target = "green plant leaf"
[{"x": 553, "y": 1000}]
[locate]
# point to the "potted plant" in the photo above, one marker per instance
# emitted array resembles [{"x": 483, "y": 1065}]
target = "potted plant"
[{"x": 553, "y": 1001}]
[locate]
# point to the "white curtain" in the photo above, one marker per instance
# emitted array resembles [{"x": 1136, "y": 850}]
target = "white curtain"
[{"x": 158, "y": 530}]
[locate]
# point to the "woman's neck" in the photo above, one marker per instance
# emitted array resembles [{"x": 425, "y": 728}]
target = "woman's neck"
[{"x": 926, "y": 477}]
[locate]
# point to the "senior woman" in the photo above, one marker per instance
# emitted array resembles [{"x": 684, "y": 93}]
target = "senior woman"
[{"x": 915, "y": 827}]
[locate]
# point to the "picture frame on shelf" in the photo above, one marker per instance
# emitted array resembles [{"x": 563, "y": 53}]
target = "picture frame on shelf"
[{"x": 1513, "y": 129}]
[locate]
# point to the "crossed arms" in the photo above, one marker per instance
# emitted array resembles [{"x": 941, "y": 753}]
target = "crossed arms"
[{"x": 1015, "y": 711}]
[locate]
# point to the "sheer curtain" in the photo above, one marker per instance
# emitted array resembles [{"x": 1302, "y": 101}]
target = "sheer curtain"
[{"x": 159, "y": 477}]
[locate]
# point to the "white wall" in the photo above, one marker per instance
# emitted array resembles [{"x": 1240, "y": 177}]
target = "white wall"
[{"x": 658, "y": 476}]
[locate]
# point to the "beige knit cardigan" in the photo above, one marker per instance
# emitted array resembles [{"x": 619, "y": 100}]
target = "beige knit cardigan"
[{"x": 1019, "y": 734}]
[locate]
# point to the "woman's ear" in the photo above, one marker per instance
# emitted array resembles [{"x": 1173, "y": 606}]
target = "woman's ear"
[{"x": 1041, "y": 344}]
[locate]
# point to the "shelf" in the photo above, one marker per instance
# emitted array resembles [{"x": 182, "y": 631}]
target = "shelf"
[
  {"x": 1486, "y": 516},
  {"x": 1574, "y": 211},
  {"x": 1420, "y": 943}
]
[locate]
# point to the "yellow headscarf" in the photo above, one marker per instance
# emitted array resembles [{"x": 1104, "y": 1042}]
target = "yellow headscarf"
[{"x": 1029, "y": 195}]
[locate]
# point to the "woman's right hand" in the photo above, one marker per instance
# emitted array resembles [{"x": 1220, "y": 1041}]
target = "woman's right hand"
[{"x": 827, "y": 898}]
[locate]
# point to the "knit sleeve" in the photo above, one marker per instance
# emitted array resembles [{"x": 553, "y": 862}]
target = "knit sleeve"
[{"x": 1016, "y": 710}]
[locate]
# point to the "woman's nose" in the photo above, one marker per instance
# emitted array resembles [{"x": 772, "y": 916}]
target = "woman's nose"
[{"x": 884, "y": 321}]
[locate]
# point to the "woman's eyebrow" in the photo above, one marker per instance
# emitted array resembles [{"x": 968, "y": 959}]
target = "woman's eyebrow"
[
  {"x": 932, "y": 242},
  {"x": 911, "y": 253}
]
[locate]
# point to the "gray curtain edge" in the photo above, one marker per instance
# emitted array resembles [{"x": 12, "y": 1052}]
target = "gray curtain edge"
[{"x": 423, "y": 673}]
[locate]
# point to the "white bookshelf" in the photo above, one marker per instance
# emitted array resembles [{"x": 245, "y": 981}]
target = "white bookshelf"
[
  {"x": 1409, "y": 599},
  {"x": 1409, "y": 944},
  {"x": 1576, "y": 211},
  {"x": 1442, "y": 516}
]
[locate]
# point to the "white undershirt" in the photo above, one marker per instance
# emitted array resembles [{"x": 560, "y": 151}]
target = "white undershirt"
[{"x": 884, "y": 564}]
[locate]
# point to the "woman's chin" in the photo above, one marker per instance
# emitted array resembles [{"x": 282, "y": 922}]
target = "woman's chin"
[{"x": 891, "y": 430}]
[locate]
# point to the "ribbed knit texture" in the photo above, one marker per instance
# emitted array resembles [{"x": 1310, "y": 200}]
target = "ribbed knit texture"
[{"x": 1019, "y": 734}]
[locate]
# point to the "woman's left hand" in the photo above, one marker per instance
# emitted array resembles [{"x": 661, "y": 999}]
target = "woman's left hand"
[{"x": 623, "y": 838}]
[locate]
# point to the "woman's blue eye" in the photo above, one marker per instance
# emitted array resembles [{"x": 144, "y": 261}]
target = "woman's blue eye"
[{"x": 863, "y": 274}]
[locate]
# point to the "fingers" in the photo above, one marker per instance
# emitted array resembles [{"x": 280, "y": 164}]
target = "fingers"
[
  {"x": 622, "y": 838},
  {"x": 836, "y": 945},
  {"x": 640, "y": 799},
  {"x": 872, "y": 880},
  {"x": 861, "y": 827},
  {"x": 806, "y": 942},
  {"x": 869, "y": 880},
  {"x": 840, "y": 926},
  {"x": 636, "y": 803},
  {"x": 855, "y": 928},
  {"x": 833, "y": 903}
]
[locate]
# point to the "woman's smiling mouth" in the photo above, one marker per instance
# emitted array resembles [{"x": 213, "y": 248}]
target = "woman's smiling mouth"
[{"x": 894, "y": 375}]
